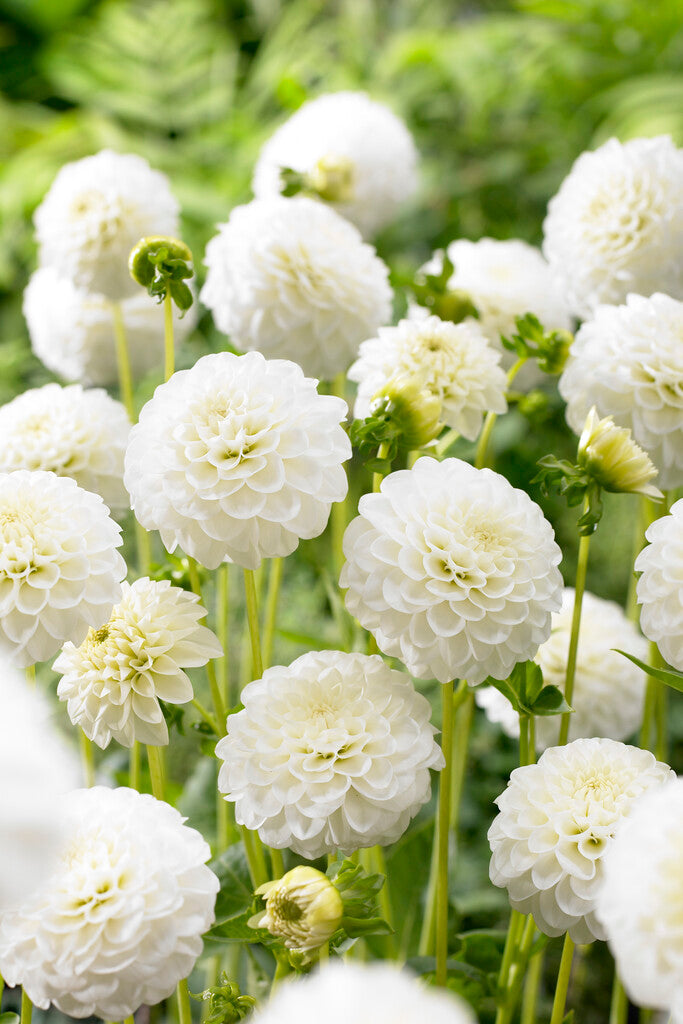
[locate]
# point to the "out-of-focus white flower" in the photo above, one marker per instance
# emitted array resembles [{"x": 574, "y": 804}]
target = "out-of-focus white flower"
[
  {"x": 70, "y": 432},
  {"x": 95, "y": 212},
  {"x": 294, "y": 280},
  {"x": 330, "y": 753},
  {"x": 661, "y": 585},
  {"x": 37, "y": 768},
  {"x": 237, "y": 459},
  {"x": 113, "y": 682},
  {"x": 303, "y": 908},
  {"x": 350, "y": 149},
  {"x": 613, "y": 458},
  {"x": 628, "y": 363},
  {"x": 350, "y": 993},
  {"x": 454, "y": 362},
  {"x": 452, "y": 570},
  {"x": 608, "y": 689},
  {"x": 556, "y": 820},
  {"x": 616, "y": 224},
  {"x": 640, "y": 903},
  {"x": 72, "y": 331},
  {"x": 120, "y": 921},
  {"x": 60, "y": 571}
]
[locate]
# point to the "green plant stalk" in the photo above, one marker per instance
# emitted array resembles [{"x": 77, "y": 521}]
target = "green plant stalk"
[
  {"x": 156, "y": 771},
  {"x": 26, "y": 1008},
  {"x": 512, "y": 940},
  {"x": 339, "y": 512},
  {"x": 256, "y": 860},
  {"x": 482, "y": 451},
  {"x": 207, "y": 716},
  {"x": 579, "y": 587},
  {"x": 274, "y": 581},
  {"x": 31, "y": 675},
  {"x": 532, "y": 984},
  {"x": 223, "y": 631},
  {"x": 253, "y": 622},
  {"x": 184, "y": 1009},
  {"x": 442, "y": 835},
  {"x": 618, "y": 1010},
  {"x": 653, "y": 734},
  {"x": 277, "y": 864},
  {"x": 87, "y": 758},
  {"x": 216, "y": 697},
  {"x": 517, "y": 969},
  {"x": 169, "y": 349},
  {"x": 563, "y": 976},
  {"x": 642, "y": 521},
  {"x": 378, "y": 864},
  {"x": 377, "y": 478},
  {"x": 134, "y": 766}
]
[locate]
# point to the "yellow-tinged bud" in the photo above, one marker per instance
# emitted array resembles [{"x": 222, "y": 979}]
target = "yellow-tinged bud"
[
  {"x": 332, "y": 179},
  {"x": 141, "y": 259},
  {"x": 613, "y": 458},
  {"x": 414, "y": 409},
  {"x": 303, "y": 909}
]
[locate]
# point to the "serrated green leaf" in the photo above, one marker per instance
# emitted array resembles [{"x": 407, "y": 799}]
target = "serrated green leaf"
[{"x": 669, "y": 676}]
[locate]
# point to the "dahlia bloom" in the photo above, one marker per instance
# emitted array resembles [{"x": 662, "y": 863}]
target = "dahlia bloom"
[
  {"x": 294, "y": 280},
  {"x": 60, "y": 571},
  {"x": 660, "y": 585},
  {"x": 331, "y": 753},
  {"x": 237, "y": 459},
  {"x": 452, "y": 570},
  {"x": 556, "y": 821},
  {"x": 616, "y": 224},
  {"x": 303, "y": 908},
  {"x": 113, "y": 681},
  {"x": 120, "y": 921},
  {"x": 352, "y": 150}
]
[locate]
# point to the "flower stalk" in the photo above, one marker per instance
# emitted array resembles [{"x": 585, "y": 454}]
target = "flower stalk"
[
  {"x": 442, "y": 901},
  {"x": 563, "y": 978}
]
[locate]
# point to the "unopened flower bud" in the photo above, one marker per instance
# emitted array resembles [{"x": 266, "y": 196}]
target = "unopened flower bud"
[
  {"x": 412, "y": 408},
  {"x": 331, "y": 178},
  {"x": 303, "y": 908},
  {"x": 162, "y": 264},
  {"x": 613, "y": 458}
]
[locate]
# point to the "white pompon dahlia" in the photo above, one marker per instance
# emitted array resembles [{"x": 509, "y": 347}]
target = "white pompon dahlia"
[
  {"x": 352, "y": 993},
  {"x": 113, "y": 681},
  {"x": 608, "y": 689},
  {"x": 354, "y": 151},
  {"x": 616, "y": 224},
  {"x": 70, "y": 432},
  {"x": 237, "y": 459},
  {"x": 294, "y": 280},
  {"x": 72, "y": 331},
  {"x": 454, "y": 362},
  {"x": 96, "y": 210},
  {"x": 640, "y": 903},
  {"x": 452, "y": 570},
  {"x": 332, "y": 752},
  {"x": 661, "y": 584},
  {"x": 120, "y": 921},
  {"x": 627, "y": 361},
  {"x": 60, "y": 571},
  {"x": 556, "y": 821}
]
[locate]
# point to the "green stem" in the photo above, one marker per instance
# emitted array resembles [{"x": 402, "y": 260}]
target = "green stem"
[
  {"x": 26, "y": 1008},
  {"x": 31, "y": 675},
  {"x": 339, "y": 512},
  {"x": 512, "y": 939},
  {"x": 277, "y": 864},
  {"x": 123, "y": 361},
  {"x": 618, "y": 1011},
  {"x": 382, "y": 453},
  {"x": 563, "y": 977},
  {"x": 134, "y": 766},
  {"x": 445, "y": 442},
  {"x": 579, "y": 587},
  {"x": 379, "y": 865},
  {"x": 532, "y": 984},
  {"x": 207, "y": 716},
  {"x": 642, "y": 521},
  {"x": 274, "y": 580},
  {"x": 532, "y": 739},
  {"x": 252, "y": 618},
  {"x": 184, "y": 1009},
  {"x": 88, "y": 759},
  {"x": 223, "y": 631},
  {"x": 156, "y": 771},
  {"x": 256, "y": 859},
  {"x": 216, "y": 697},
  {"x": 443, "y": 835},
  {"x": 481, "y": 454},
  {"x": 523, "y": 739},
  {"x": 169, "y": 349}
]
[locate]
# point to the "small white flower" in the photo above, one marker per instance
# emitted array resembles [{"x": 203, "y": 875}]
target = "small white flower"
[
  {"x": 351, "y": 993},
  {"x": 452, "y": 570},
  {"x": 627, "y": 361},
  {"x": 330, "y": 753},
  {"x": 453, "y": 361},
  {"x": 70, "y": 432},
  {"x": 640, "y": 903},
  {"x": 345, "y": 130},
  {"x": 96, "y": 210},
  {"x": 616, "y": 224},
  {"x": 237, "y": 459},
  {"x": 661, "y": 585},
  {"x": 556, "y": 820},
  {"x": 113, "y": 682},
  {"x": 293, "y": 279},
  {"x": 60, "y": 571},
  {"x": 72, "y": 331},
  {"x": 120, "y": 921},
  {"x": 608, "y": 689},
  {"x": 303, "y": 909}
]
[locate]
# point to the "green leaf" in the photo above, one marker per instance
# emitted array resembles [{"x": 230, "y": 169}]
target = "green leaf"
[
  {"x": 550, "y": 701},
  {"x": 482, "y": 948},
  {"x": 236, "y": 893},
  {"x": 669, "y": 676},
  {"x": 9, "y": 1018},
  {"x": 237, "y": 929}
]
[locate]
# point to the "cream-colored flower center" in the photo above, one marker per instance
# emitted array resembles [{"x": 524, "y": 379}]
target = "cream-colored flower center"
[
  {"x": 106, "y": 217},
  {"x": 284, "y": 909}
]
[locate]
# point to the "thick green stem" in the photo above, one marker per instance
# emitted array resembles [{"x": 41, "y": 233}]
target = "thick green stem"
[
  {"x": 256, "y": 859},
  {"x": 377, "y": 478},
  {"x": 277, "y": 864},
  {"x": 169, "y": 350},
  {"x": 156, "y": 771},
  {"x": 134, "y": 766},
  {"x": 26, "y": 1008},
  {"x": 339, "y": 512},
  {"x": 532, "y": 984},
  {"x": 223, "y": 631},
  {"x": 482, "y": 452},
  {"x": 579, "y": 587},
  {"x": 216, "y": 697},
  {"x": 618, "y": 1011},
  {"x": 208, "y": 717},
  {"x": 443, "y": 835},
  {"x": 563, "y": 976},
  {"x": 642, "y": 521},
  {"x": 274, "y": 580},
  {"x": 378, "y": 864},
  {"x": 184, "y": 1009},
  {"x": 252, "y": 618},
  {"x": 31, "y": 675},
  {"x": 512, "y": 940},
  {"x": 88, "y": 759}
]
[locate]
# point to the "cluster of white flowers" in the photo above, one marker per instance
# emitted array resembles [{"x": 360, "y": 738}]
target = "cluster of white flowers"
[{"x": 660, "y": 585}]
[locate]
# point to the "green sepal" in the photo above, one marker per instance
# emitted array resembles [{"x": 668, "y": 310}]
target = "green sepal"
[
  {"x": 531, "y": 341},
  {"x": 526, "y": 692},
  {"x": 432, "y": 292},
  {"x": 226, "y": 1003},
  {"x": 359, "y": 892},
  {"x": 162, "y": 265},
  {"x": 668, "y": 676},
  {"x": 575, "y": 484}
]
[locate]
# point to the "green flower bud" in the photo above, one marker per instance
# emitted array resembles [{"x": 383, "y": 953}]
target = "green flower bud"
[
  {"x": 332, "y": 179},
  {"x": 415, "y": 411},
  {"x": 226, "y": 1004},
  {"x": 162, "y": 265},
  {"x": 303, "y": 909},
  {"x": 614, "y": 460}
]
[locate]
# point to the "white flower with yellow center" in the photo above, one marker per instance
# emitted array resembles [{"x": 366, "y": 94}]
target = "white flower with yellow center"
[
  {"x": 661, "y": 584},
  {"x": 616, "y": 224},
  {"x": 452, "y": 570},
  {"x": 113, "y": 681},
  {"x": 555, "y": 823},
  {"x": 294, "y": 280},
  {"x": 237, "y": 459},
  {"x": 120, "y": 921},
  {"x": 354, "y": 151},
  {"x": 331, "y": 753},
  {"x": 60, "y": 571},
  {"x": 70, "y": 432},
  {"x": 303, "y": 908},
  {"x": 454, "y": 362},
  {"x": 96, "y": 210}
]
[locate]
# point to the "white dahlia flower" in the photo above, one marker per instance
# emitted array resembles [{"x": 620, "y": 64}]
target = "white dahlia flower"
[
  {"x": 627, "y": 361},
  {"x": 452, "y": 570},
  {"x": 70, "y": 432},
  {"x": 352, "y": 150},
  {"x": 72, "y": 331},
  {"x": 120, "y": 921},
  {"x": 60, "y": 571},
  {"x": 616, "y": 224},
  {"x": 454, "y": 362},
  {"x": 96, "y": 210},
  {"x": 331, "y": 753},
  {"x": 293, "y": 279},
  {"x": 661, "y": 584},
  {"x": 556, "y": 820},
  {"x": 352, "y": 993},
  {"x": 640, "y": 903},
  {"x": 608, "y": 690},
  {"x": 237, "y": 459},
  {"x": 113, "y": 681}
]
